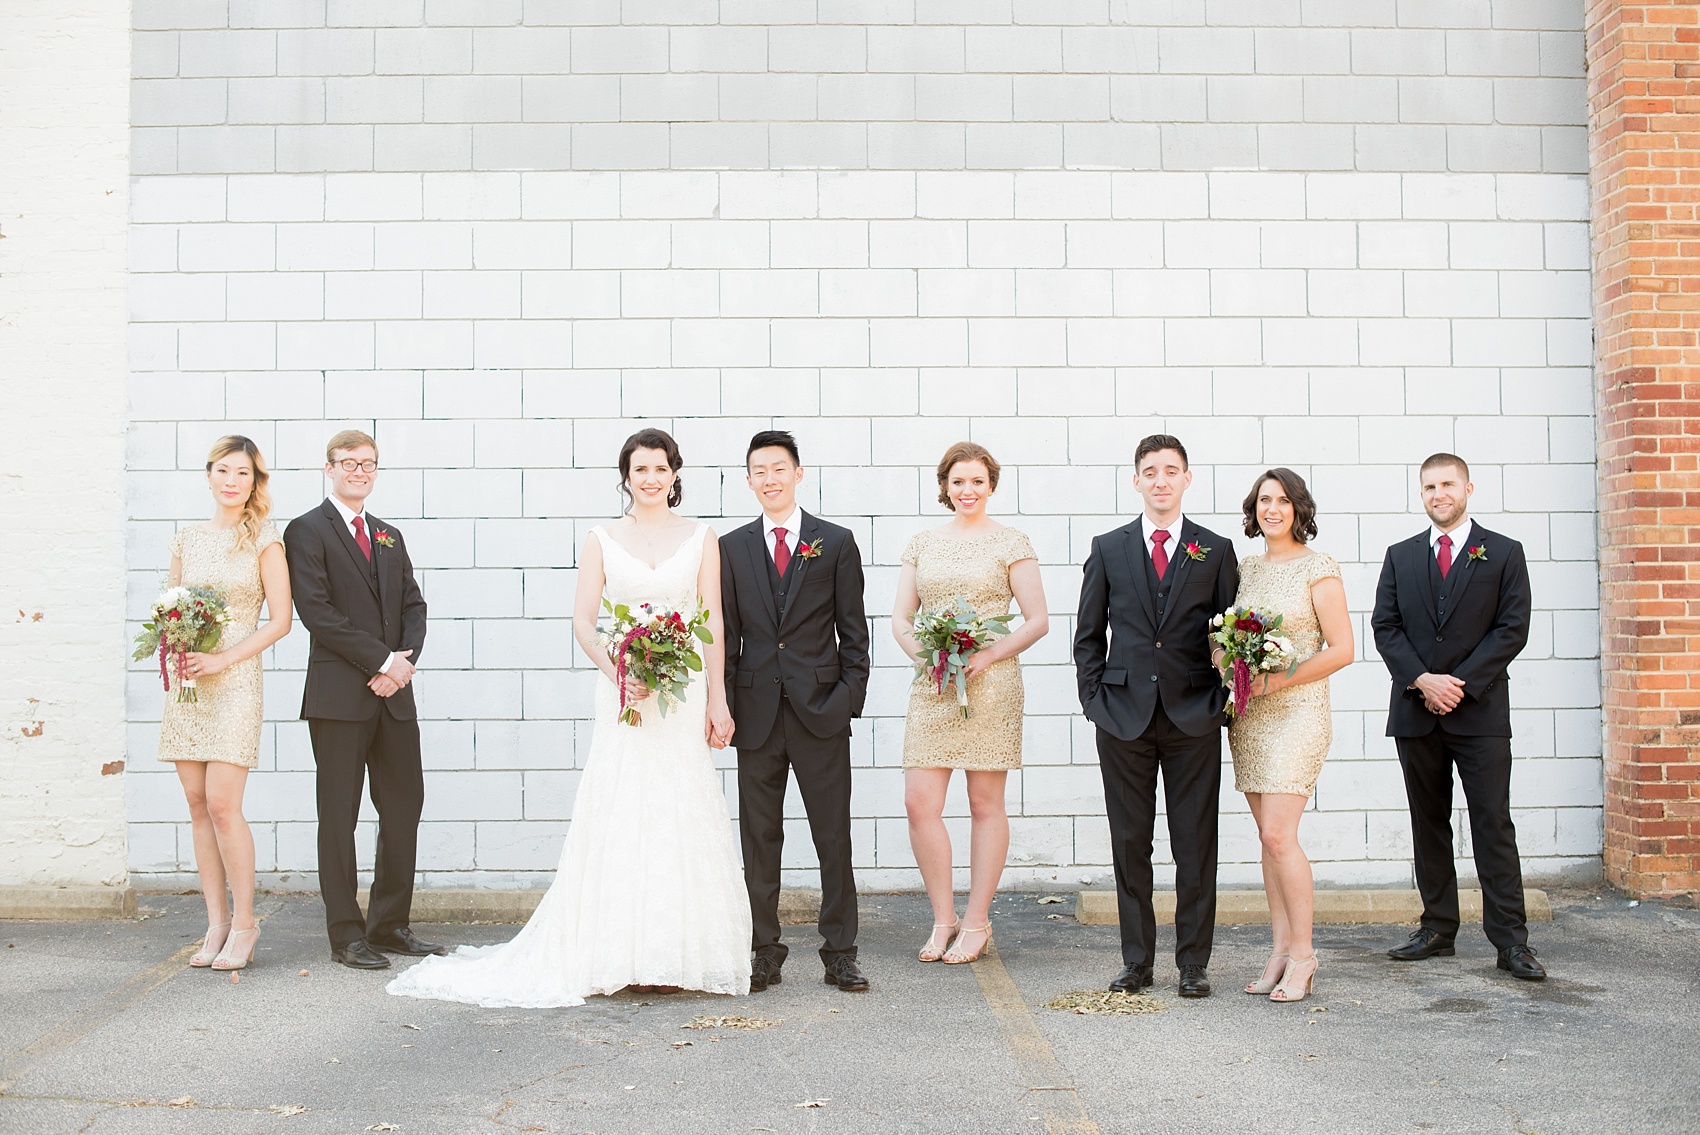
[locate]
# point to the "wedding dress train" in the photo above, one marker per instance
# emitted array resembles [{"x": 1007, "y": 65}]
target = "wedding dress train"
[{"x": 649, "y": 890}]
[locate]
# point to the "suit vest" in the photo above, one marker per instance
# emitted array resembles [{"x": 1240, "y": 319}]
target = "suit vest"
[
  {"x": 780, "y": 583},
  {"x": 1159, "y": 588}
]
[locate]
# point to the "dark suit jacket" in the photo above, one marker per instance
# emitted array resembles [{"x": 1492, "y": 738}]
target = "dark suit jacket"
[
  {"x": 818, "y": 653},
  {"x": 1124, "y": 659},
  {"x": 356, "y": 621},
  {"x": 1473, "y": 633}
]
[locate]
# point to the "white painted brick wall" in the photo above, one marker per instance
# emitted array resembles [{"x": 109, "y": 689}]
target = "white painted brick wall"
[
  {"x": 63, "y": 142},
  {"x": 1339, "y": 237}
]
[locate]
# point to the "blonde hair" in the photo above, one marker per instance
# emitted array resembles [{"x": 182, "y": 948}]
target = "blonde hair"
[
  {"x": 350, "y": 440},
  {"x": 956, "y": 455},
  {"x": 259, "y": 503}
]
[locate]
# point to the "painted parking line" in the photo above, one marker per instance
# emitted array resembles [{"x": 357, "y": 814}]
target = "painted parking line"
[
  {"x": 1042, "y": 1072},
  {"x": 86, "y": 1021}
]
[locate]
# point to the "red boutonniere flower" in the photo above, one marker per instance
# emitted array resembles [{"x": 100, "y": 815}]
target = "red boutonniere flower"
[
  {"x": 383, "y": 537},
  {"x": 1195, "y": 552},
  {"x": 1478, "y": 552},
  {"x": 811, "y": 551}
]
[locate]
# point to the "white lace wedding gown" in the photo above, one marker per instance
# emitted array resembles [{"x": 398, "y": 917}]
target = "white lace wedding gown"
[{"x": 649, "y": 889}]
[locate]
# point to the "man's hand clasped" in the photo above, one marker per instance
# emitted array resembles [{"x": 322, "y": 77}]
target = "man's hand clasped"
[
  {"x": 400, "y": 674},
  {"x": 1441, "y": 692}
]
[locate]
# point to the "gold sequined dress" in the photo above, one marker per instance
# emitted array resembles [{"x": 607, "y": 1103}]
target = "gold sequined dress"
[
  {"x": 936, "y": 735},
  {"x": 1279, "y": 743},
  {"x": 224, "y": 725}
]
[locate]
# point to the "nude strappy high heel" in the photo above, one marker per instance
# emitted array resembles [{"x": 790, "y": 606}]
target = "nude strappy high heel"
[
  {"x": 931, "y": 953},
  {"x": 1291, "y": 988},
  {"x": 1265, "y": 985},
  {"x": 227, "y": 960},
  {"x": 953, "y": 959},
  {"x": 203, "y": 958}
]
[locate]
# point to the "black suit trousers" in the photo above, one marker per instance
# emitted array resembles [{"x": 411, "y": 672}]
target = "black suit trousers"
[
  {"x": 1484, "y": 769},
  {"x": 1192, "y": 782},
  {"x": 344, "y": 751},
  {"x": 822, "y": 766}
]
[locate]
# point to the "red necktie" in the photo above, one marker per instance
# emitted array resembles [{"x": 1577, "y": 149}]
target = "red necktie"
[
  {"x": 1159, "y": 558},
  {"x": 781, "y": 551},
  {"x": 1445, "y": 542},
  {"x": 360, "y": 537}
]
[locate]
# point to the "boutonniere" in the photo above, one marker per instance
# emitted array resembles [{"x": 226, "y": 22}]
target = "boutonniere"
[
  {"x": 1194, "y": 551},
  {"x": 1478, "y": 552},
  {"x": 812, "y": 551},
  {"x": 383, "y": 538}
]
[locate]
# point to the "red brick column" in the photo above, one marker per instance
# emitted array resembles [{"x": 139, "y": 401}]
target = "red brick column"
[{"x": 1644, "y": 144}]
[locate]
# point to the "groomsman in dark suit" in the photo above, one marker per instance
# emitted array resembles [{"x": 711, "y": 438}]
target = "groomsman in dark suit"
[
  {"x": 1142, "y": 658},
  {"x": 355, "y": 592},
  {"x": 1451, "y": 612},
  {"x": 797, "y": 657}
]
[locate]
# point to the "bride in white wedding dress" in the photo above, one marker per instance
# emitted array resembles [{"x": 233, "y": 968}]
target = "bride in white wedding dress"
[{"x": 649, "y": 892}]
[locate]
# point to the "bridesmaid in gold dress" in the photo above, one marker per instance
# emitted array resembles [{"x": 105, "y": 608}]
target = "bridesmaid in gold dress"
[
  {"x": 216, "y": 740},
  {"x": 1279, "y": 742},
  {"x": 975, "y": 558}
]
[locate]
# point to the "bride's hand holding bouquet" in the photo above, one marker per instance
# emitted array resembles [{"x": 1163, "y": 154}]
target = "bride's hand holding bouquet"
[{"x": 653, "y": 652}]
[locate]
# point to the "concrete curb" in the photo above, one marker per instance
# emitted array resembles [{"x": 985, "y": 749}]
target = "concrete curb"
[
  {"x": 67, "y": 904},
  {"x": 796, "y": 907},
  {"x": 1333, "y": 908}
]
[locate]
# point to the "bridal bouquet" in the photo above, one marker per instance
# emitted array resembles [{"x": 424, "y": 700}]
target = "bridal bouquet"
[
  {"x": 1248, "y": 635},
  {"x": 947, "y": 639},
  {"x": 183, "y": 619},
  {"x": 659, "y": 648}
]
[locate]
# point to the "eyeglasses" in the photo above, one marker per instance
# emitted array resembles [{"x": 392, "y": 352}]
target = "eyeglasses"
[{"x": 349, "y": 465}]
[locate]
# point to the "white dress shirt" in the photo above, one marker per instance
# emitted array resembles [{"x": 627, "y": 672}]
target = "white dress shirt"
[
  {"x": 1173, "y": 547},
  {"x": 1460, "y": 540},
  {"x": 791, "y": 524},
  {"x": 348, "y": 516}
]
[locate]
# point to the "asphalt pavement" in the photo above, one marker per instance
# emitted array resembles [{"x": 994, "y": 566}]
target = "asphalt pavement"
[{"x": 104, "y": 1030}]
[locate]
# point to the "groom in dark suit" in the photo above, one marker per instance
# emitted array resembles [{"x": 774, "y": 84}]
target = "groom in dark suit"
[
  {"x": 1451, "y": 612},
  {"x": 1142, "y": 658},
  {"x": 355, "y": 592},
  {"x": 797, "y": 672}
]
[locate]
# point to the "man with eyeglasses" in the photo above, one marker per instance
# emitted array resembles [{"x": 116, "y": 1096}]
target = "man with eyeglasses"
[{"x": 356, "y": 594}]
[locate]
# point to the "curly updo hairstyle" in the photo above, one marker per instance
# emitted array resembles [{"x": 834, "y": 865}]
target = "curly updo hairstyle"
[
  {"x": 956, "y": 455},
  {"x": 1304, "y": 505},
  {"x": 652, "y": 439}
]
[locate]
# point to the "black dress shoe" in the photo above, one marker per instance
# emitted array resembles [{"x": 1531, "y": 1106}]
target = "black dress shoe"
[
  {"x": 1194, "y": 982},
  {"x": 358, "y": 955},
  {"x": 403, "y": 941},
  {"x": 1520, "y": 960},
  {"x": 1425, "y": 943},
  {"x": 763, "y": 973},
  {"x": 843, "y": 972},
  {"x": 1132, "y": 979}
]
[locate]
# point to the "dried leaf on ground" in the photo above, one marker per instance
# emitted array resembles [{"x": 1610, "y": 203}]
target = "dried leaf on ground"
[
  {"x": 289, "y": 1109},
  {"x": 748, "y": 1023},
  {"x": 1045, "y": 900},
  {"x": 1105, "y": 1001},
  {"x": 684, "y": 1044},
  {"x": 814, "y": 1103},
  {"x": 383, "y": 1127}
]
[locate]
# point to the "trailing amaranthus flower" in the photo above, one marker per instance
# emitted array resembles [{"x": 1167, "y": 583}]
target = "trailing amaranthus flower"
[
  {"x": 657, "y": 648},
  {"x": 182, "y": 620}
]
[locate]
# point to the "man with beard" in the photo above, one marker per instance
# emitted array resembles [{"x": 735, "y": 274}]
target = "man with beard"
[{"x": 1451, "y": 612}]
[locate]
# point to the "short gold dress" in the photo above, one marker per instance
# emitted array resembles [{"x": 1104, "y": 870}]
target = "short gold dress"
[
  {"x": 224, "y": 725},
  {"x": 936, "y": 735},
  {"x": 1279, "y": 743}
]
